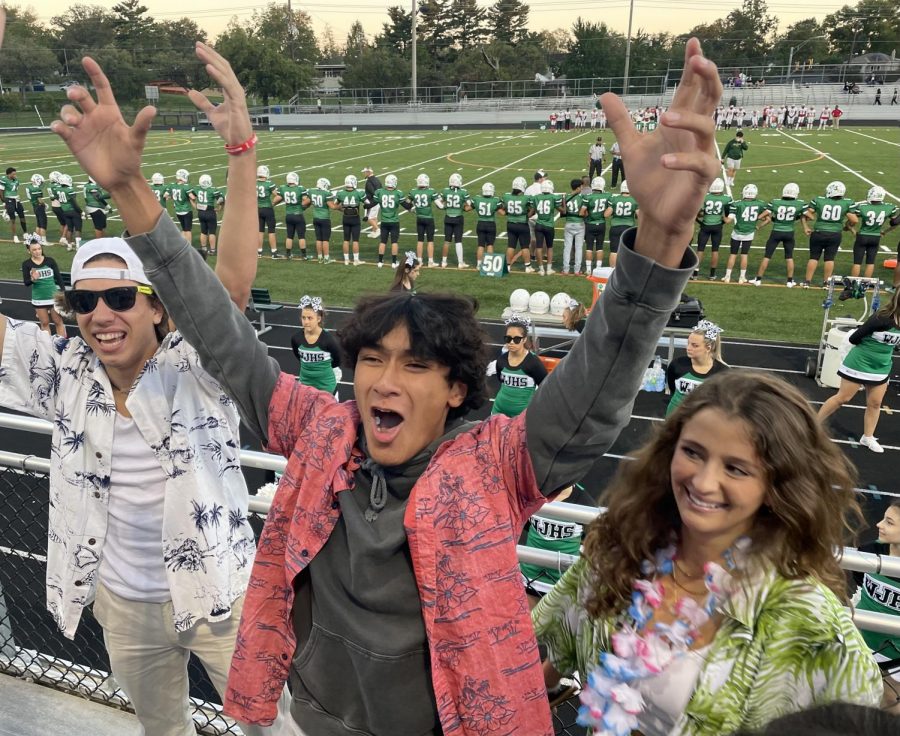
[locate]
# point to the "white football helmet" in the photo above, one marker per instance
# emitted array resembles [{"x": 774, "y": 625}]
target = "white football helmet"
[
  {"x": 292, "y": 178},
  {"x": 876, "y": 194},
  {"x": 598, "y": 184},
  {"x": 323, "y": 183},
  {"x": 37, "y": 179},
  {"x": 423, "y": 181},
  {"x": 182, "y": 175},
  {"x": 717, "y": 186},
  {"x": 65, "y": 180},
  {"x": 835, "y": 189},
  {"x": 157, "y": 178},
  {"x": 791, "y": 191},
  {"x": 390, "y": 181},
  {"x": 487, "y": 189},
  {"x": 54, "y": 177},
  {"x": 546, "y": 187},
  {"x": 749, "y": 191},
  {"x": 623, "y": 187},
  {"x": 262, "y": 172},
  {"x": 456, "y": 180},
  {"x": 205, "y": 180},
  {"x": 539, "y": 303},
  {"x": 558, "y": 303},
  {"x": 350, "y": 182},
  {"x": 520, "y": 183},
  {"x": 518, "y": 300}
]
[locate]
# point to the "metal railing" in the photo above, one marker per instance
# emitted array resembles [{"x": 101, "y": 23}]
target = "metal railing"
[{"x": 31, "y": 645}]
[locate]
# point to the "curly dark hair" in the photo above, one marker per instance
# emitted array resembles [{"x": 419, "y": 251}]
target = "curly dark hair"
[
  {"x": 812, "y": 507},
  {"x": 442, "y": 328}
]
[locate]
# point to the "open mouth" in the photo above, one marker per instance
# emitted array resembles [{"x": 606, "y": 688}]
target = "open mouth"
[
  {"x": 109, "y": 340},
  {"x": 704, "y": 505},
  {"x": 386, "y": 424}
]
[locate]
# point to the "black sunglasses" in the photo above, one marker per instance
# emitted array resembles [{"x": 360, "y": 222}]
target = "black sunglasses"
[
  {"x": 513, "y": 338},
  {"x": 119, "y": 298}
]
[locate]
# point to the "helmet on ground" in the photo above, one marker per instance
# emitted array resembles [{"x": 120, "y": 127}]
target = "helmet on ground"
[
  {"x": 623, "y": 187},
  {"x": 598, "y": 184},
  {"x": 54, "y": 177},
  {"x": 749, "y": 191},
  {"x": 835, "y": 189},
  {"x": 539, "y": 303},
  {"x": 791, "y": 190},
  {"x": 157, "y": 178},
  {"x": 487, "y": 189},
  {"x": 558, "y": 303},
  {"x": 520, "y": 183},
  {"x": 37, "y": 179},
  {"x": 350, "y": 182},
  {"x": 717, "y": 186},
  {"x": 455, "y": 180},
  {"x": 876, "y": 194},
  {"x": 65, "y": 180},
  {"x": 182, "y": 175},
  {"x": 323, "y": 183},
  {"x": 423, "y": 181},
  {"x": 205, "y": 180},
  {"x": 518, "y": 300},
  {"x": 390, "y": 181},
  {"x": 546, "y": 187},
  {"x": 262, "y": 172},
  {"x": 292, "y": 178}
]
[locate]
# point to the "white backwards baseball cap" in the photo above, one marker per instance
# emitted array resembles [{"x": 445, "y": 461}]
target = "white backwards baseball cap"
[{"x": 133, "y": 271}]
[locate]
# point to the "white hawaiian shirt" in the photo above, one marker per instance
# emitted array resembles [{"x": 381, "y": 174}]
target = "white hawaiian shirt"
[{"x": 192, "y": 427}]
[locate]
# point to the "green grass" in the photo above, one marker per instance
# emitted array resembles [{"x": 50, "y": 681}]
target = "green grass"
[{"x": 771, "y": 312}]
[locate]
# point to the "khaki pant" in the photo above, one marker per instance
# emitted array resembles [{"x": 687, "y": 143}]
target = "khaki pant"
[{"x": 149, "y": 661}]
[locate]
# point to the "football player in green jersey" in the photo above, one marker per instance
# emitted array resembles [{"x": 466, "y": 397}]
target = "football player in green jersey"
[
  {"x": 422, "y": 200},
  {"x": 182, "y": 195},
  {"x": 829, "y": 213},
  {"x": 53, "y": 196},
  {"x": 872, "y": 215},
  {"x": 732, "y": 156},
  {"x": 745, "y": 213},
  {"x": 623, "y": 211},
  {"x": 452, "y": 201},
  {"x": 784, "y": 213},
  {"x": 71, "y": 210},
  {"x": 209, "y": 201},
  {"x": 389, "y": 199},
  {"x": 322, "y": 201},
  {"x": 351, "y": 200},
  {"x": 712, "y": 220},
  {"x": 518, "y": 206},
  {"x": 593, "y": 209},
  {"x": 9, "y": 188},
  {"x": 266, "y": 198},
  {"x": 158, "y": 187},
  {"x": 573, "y": 233},
  {"x": 35, "y": 193},
  {"x": 292, "y": 194},
  {"x": 547, "y": 206},
  {"x": 486, "y": 205},
  {"x": 96, "y": 203}
]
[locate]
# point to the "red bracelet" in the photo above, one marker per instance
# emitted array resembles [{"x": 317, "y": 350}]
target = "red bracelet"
[{"x": 240, "y": 148}]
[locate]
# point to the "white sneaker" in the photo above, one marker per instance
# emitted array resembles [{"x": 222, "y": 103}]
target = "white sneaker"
[
  {"x": 463, "y": 265},
  {"x": 550, "y": 271},
  {"x": 529, "y": 269},
  {"x": 372, "y": 235},
  {"x": 871, "y": 443},
  {"x": 541, "y": 270},
  {"x": 70, "y": 247},
  {"x": 757, "y": 281},
  {"x": 380, "y": 264},
  {"x": 358, "y": 262},
  {"x": 443, "y": 264},
  {"x": 790, "y": 283},
  {"x": 63, "y": 241},
  {"x": 742, "y": 280},
  {"x": 432, "y": 264},
  {"x": 16, "y": 239},
  {"x": 726, "y": 279}
]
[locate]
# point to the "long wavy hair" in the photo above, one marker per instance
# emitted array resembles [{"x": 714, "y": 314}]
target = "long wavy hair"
[
  {"x": 892, "y": 308},
  {"x": 811, "y": 506}
]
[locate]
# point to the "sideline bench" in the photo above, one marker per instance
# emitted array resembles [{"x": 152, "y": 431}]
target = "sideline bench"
[{"x": 261, "y": 302}]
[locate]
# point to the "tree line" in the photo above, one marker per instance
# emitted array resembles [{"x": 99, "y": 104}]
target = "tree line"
[{"x": 458, "y": 42}]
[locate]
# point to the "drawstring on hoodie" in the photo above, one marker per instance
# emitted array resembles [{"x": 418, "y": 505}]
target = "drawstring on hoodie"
[{"x": 378, "y": 491}]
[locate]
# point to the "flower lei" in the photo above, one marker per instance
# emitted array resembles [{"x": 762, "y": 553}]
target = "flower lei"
[{"x": 611, "y": 700}]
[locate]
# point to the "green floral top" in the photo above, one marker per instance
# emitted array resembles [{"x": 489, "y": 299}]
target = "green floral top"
[{"x": 783, "y": 646}]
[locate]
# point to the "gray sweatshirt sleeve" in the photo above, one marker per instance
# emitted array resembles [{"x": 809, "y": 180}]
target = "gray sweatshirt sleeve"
[
  {"x": 586, "y": 401},
  {"x": 207, "y": 318}
]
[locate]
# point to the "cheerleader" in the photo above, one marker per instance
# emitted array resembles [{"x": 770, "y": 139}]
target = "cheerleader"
[
  {"x": 41, "y": 273},
  {"x": 315, "y": 348},
  {"x": 405, "y": 276},
  {"x": 703, "y": 359},
  {"x": 519, "y": 371}
]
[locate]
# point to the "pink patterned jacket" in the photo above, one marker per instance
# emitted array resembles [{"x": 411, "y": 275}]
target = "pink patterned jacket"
[{"x": 462, "y": 521}]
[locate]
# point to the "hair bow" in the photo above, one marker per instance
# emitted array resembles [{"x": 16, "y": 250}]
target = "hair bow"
[
  {"x": 710, "y": 330},
  {"x": 573, "y": 303},
  {"x": 313, "y": 302},
  {"x": 518, "y": 319},
  {"x": 411, "y": 259}
]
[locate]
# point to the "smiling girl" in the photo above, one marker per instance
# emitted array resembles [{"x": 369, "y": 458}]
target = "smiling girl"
[{"x": 712, "y": 575}]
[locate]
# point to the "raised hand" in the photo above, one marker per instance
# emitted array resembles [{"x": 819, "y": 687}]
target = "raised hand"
[
  {"x": 670, "y": 169},
  {"x": 230, "y": 119},
  {"x": 105, "y": 146}
]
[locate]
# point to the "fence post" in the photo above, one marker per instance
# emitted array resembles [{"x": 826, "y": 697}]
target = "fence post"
[{"x": 8, "y": 646}]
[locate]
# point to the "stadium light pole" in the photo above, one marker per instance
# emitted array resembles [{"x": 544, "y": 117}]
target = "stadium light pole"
[
  {"x": 628, "y": 48},
  {"x": 787, "y": 77},
  {"x": 415, "y": 12}
]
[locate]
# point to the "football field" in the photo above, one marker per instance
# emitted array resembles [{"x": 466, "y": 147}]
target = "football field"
[{"x": 858, "y": 157}]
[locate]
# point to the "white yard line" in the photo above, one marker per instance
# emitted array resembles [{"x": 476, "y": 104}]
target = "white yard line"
[
  {"x": 835, "y": 161},
  {"x": 866, "y": 135}
]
